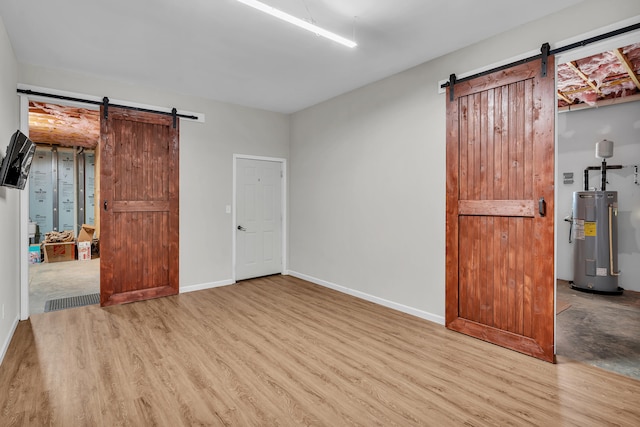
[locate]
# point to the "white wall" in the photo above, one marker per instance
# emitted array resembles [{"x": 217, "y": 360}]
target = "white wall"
[
  {"x": 9, "y": 199},
  {"x": 578, "y": 131},
  {"x": 368, "y": 171},
  {"x": 206, "y": 161}
]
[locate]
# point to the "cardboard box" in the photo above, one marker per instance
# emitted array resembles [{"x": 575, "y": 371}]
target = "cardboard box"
[
  {"x": 57, "y": 252},
  {"x": 84, "y": 251},
  {"x": 34, "y": 254},
  {"x": 86, "y": 233}
]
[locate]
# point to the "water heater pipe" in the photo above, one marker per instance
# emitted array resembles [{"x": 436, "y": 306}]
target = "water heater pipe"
[
  {"x": 597, "y": 168},
  {"x": 611, "y": 244}
]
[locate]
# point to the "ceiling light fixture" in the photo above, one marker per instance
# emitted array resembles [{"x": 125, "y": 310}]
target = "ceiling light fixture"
[{"x": 298, "y": 22}]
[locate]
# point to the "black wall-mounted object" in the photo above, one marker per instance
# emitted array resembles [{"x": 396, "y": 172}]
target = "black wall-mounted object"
[{"x": 15, "y": 167}]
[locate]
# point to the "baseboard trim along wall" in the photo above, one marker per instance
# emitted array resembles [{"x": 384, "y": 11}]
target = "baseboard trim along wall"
[
  {"x": 204, "y": 286},
  {"x": 5, "y": 344},
  {"x": 390, "y": 304}
]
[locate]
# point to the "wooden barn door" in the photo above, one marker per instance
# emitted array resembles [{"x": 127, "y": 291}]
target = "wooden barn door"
[
  {"x": 139, "y": 206},
  {"x": 500, "y": 179}
]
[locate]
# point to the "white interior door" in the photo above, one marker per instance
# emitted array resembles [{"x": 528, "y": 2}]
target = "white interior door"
[{"x": 258, "y": 218}]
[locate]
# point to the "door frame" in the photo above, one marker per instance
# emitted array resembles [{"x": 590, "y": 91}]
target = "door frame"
[
  {"x": 283, "y": 207},
  {"x": 24, "y": 221},
  {"x": 561, "y": 58},
  {"x": 24, "y": 194}
]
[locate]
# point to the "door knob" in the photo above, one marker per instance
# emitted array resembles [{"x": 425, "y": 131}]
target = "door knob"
[{"x": 241, "y": 228}]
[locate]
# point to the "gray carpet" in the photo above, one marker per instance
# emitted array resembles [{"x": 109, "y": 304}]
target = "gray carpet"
[{"x": 70, "y": 302}]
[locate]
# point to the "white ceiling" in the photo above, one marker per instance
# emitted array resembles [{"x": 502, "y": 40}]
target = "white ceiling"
[{"x": 224, "y": 50}]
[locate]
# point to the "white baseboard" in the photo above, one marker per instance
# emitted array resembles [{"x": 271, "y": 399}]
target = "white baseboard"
[
  {"x": 7, "y": 341},
  {"x": 358, "y": 294},
  {"x": 203, "y": 286}
]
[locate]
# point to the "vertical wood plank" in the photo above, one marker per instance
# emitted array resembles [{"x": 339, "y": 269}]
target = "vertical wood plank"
[
  {"x": 504, "y": 190},
  {"x": 483, "y": 275},
  {"x": 464, "y": 272},
  {"x": 125, "y": 163},
  {"x": 452, "y": 220},
  {"x": 463, "y": 145},
  {"x": 511, "y": 276},
  {"x": 464, "y": 180},
  {"x": 490, "y": 231},
  {"x": 106, "y": 166},
  {"x": 519, "y": 194},
  {"x": 519, "y": 276},
  {"x": 504, "y": 274},
  {"x": 543, "y": 291},
  {"x": 515, "y": 181},
  {"x": 473, "y": 191},
  {"x": 528, "y": 266},
  {"x": 474, "y": 267},
  {"x": 173, "y": 221}
]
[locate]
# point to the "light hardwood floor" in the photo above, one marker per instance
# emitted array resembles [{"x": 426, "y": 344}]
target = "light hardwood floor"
[{"x": 281, "y": 351}]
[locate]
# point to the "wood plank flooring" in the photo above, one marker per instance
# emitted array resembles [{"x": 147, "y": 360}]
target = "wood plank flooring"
[{"x": 281, "y": 351}]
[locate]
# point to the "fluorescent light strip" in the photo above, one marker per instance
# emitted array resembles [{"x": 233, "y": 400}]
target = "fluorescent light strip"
[{"x": 299, "y": 22}]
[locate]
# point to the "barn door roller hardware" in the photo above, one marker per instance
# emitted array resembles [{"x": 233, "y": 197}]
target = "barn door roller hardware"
[
  {"x": 545, "y": 52},
  {"x": 105, "y": 103},
  {"x": 452, "y": 82}
]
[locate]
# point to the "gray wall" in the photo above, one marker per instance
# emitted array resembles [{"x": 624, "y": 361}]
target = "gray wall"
[
  {"x": 578, "y": 131},
  {"x": 9, "y": 199},
  {"x": 368, "y": 171}
]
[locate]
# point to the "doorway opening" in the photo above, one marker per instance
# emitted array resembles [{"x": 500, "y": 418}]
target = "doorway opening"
[
  {"x": 64, "y": 261},
  {"x": 595, "y": 328}
]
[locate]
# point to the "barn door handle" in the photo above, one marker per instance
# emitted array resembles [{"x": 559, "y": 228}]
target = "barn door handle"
[
  {"x": 542, "y": 206},
  {"x": 241, "y": 228},
  {"x": 105, "y": 205}
]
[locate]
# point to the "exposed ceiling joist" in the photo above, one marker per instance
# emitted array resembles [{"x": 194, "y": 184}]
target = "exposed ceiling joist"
[
  {"x": 627, "y": 64},
  {"x": 64, "y": 126},
  {"x": 604, "y": 86},
  {"x": 564, "y": 97},
  {"x": 574, "y": 66}
]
